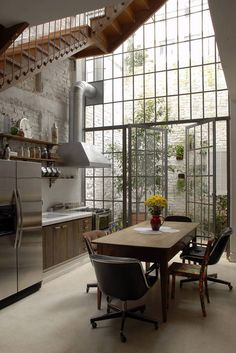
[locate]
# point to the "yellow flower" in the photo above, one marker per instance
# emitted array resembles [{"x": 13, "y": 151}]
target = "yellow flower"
[{"x": 155, "y": 204}]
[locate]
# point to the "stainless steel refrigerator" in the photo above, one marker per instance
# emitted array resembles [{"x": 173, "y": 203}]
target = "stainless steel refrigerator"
[{"x": 20, "y": 228}]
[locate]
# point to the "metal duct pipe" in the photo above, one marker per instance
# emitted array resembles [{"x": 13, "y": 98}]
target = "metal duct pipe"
[{"x": 80, "y": 90}]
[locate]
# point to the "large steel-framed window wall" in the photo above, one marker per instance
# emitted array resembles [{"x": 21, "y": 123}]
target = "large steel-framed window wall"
[{"x": 169, "y": 70}]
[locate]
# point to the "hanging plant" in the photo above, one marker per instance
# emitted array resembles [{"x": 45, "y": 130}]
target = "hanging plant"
[{"x": 179, "y": 152}]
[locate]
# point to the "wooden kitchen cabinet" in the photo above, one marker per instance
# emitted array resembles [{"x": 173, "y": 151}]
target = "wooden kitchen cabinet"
[{"x": 64, "y": 241}]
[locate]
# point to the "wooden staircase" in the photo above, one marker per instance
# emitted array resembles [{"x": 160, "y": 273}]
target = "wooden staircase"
[{"x": 99, "y": 32}]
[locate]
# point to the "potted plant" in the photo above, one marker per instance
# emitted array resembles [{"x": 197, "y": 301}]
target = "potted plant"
[
  {"x": 179, "y": 152},
  {"x": 181, "y": 183}
]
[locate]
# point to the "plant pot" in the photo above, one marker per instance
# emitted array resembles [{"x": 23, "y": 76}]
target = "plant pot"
[{"x": 181, "y": 176}]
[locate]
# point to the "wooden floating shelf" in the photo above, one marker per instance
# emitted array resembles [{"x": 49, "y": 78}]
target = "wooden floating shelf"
[
  {"x": 26, "y": 139},
  {"x": 35, "y": 159}
]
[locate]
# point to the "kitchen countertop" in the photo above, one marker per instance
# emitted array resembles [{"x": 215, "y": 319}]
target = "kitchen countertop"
[{"x": 63, "y": 216}]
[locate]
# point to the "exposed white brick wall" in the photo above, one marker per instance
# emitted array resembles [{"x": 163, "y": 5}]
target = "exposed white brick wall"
[{"x": 42, "y": 108}]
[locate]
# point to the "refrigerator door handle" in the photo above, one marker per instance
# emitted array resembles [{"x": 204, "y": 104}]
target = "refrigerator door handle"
[
  {"x": 17, "y": 218},
  {"x": 20, "y": 219}
]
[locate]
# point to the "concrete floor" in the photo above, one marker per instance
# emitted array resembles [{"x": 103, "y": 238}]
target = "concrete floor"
[{"x": 56, "y": 319}]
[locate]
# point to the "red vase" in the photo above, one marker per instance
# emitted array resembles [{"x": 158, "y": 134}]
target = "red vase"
[{"x": 156, "y": 222}]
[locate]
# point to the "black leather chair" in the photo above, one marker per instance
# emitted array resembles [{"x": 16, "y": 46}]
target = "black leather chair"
[
  {"x": 123, "y": 279},
  {"x": 196, "y": 252},
  {"x": 177, "y": 218}
]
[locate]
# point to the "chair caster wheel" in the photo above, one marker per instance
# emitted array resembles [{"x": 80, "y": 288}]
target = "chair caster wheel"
[
  {"x": 123, "y": 338},
  {"x": 94, "y": 325},
  {"x": 230, "y": 287}
]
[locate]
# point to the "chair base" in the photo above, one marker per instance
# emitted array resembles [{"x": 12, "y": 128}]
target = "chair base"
[
  {"x": 123, "y": 314},
  {"x": 211, "y": 278}
]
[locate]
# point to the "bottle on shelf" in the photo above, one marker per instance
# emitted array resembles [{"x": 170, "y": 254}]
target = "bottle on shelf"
[
  {"x": 54, "y": 131},
  {"x": 7, "y": 152}
]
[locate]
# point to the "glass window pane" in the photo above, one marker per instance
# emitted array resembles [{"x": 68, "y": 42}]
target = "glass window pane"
[
  {"x": 184, "y": 81},
  {"x": 107, "y": 140},
  {"x": 89, "y": 116},
  {"x": 149, "y": 35},
  {"x": 118, "y": 113},
  {"x": 196, "y": 79},
  {"x": 171, "y": 8},
  {"x": 195, "y": 25},
  {"x": 128, "y": 88},
  {"x": 184, "y": 107},
  {"x": 117, "y": 65},
  {"x": 128, "y": 63},
  {"x": 160, "y": 33},
  {"x": 172, "y": 85},
  {"x": 107, "y": 91},
  {"x": 149, "y": 60},
  {"x": 161, "y": 84},
  {"x": 107, "y": 67},
  {"x": 98, "y": 140},
  {"x": 171, "y": 30},
  {"x": 184, "y": 58},
  {"x": 118, "y": 89},
  {"x": 172, "y": 108},
  {"x": 89, "y": 71},
  {"x": 172, "y": 58},
  {"x": 197, "y": 106},
  {"x": 98, "y": 188},
  {"x": 98, "y": 117},
  {"x": 138, "y": 86},
  {"x": 138, "y": 61},
  {"x": 183, "y": 24},
  {"x": 161, "y": 58},
  {"x": 209, "y": 105},
  {"x": 107, "y": 114},
  {"x": 196, "y": 52},
  {"x": 138, "y": 111},
  {"x": 161, "y": 109},
  {"x": 149, "y": 85},
  {"x": 98, "y": 69},
  {"x": 209, "y": 77},
  {"x": 138, "y": 38},
  {"x": 128, "y": 112},
  {"x": 183, "y": 7},
  {"x": 149, "y": 110}
]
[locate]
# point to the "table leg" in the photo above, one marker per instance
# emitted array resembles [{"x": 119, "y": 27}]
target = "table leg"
[{"x": 164, "y": 287}]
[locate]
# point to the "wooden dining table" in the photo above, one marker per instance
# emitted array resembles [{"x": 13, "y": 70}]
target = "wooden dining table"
[{"x": 140, "y": 242}]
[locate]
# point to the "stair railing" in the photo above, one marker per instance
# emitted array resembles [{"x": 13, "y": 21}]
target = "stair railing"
[{"x": 42, "y": 44}]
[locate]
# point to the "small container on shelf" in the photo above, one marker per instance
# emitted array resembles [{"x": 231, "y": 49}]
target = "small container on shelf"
[
  {"x": 38, "y": 152},
  {"x": 44, "y": 153},
  {"x": 54, "y": 131}
]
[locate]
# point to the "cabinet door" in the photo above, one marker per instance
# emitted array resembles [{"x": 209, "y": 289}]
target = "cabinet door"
[
  {"x": 48, "y": 247},
  {"x": 60, "y": 243}
]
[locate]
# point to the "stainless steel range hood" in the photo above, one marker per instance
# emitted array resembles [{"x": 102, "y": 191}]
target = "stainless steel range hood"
[
  {"x": 76, "y": 152},
  {"x": 82, "y": 155}
]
